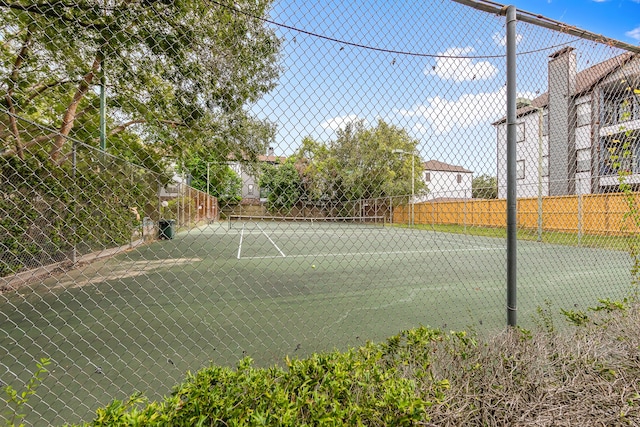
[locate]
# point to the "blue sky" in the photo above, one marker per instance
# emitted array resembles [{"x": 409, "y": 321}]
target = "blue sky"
[
  {"x": 433, "y": 67},
  {"x": 618, "y": 19}
]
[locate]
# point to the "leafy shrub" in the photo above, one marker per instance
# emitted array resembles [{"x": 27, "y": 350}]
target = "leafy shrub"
[
  {"x": 585, "y": 375},
  {"x": 372, "y": 385},
  {"x": 17, "y": 400}
]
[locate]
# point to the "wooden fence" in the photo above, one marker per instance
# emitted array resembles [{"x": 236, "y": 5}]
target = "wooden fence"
[{"x": 587, "y": 213}]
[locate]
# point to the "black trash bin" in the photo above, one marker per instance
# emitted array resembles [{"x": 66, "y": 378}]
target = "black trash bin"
[{"x": 166, "y": 228}]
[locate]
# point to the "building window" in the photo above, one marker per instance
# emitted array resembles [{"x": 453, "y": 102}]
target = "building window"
[
  {"x": 520, "y": 169},
  {"x": 583, "y": 112},
  {"x": 618, "y": 109},
  {"x": 608, "y": 114},
  {"x": 459, "y": 178},
  {"x": 250, "y": 191},
  {"x": 617, "y": 156},
  {"x": 545, "y": 124},
  {"x": 545, "y": 165},
  {"x": 427, "y": 177},
  {"x": 627, "y": 109},
  {"x": 264, "y": 192},
  {"x": 583, "y": 160},
  {"x": 520, "y": 132}
]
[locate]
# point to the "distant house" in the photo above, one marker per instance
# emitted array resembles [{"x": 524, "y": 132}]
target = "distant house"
[
  {"x": 251, "y": 193},
  {"x": 567, "y": 136},
  {"x": 445, "y": 181},
  {"x": 175, "y": 187}
]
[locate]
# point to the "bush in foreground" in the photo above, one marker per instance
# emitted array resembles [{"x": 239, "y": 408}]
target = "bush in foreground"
[{"x": 588, "y": 375}]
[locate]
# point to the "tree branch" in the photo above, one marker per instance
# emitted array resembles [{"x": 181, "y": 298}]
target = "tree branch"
[
  {"x": 123, "y": 126},
  {"x": 13, "y": 80},
  {"x": 34, "y": 141},
  {"x": 70, "y": 115},
  {"x": 52, "y": 10},
  {"x": 42, "y": 87}
]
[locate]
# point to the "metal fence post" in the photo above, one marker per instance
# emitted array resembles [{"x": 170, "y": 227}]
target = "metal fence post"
[
  {"x": 511, "y": 169},
  {"x": 464, "y": 215},
  {"x": 74, "y": 162},
  {"x": 540, "y": 122},
  {"x": 580, "y": 219}
]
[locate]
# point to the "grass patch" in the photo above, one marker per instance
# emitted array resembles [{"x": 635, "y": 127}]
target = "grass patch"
[{"x": 621, "y": 243}]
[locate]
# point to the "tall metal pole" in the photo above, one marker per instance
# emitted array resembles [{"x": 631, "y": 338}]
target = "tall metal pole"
[
  {"x": 540, "y": 122},
  {"x": 103, "y": 99},
  {"x": 413, "y": 185},
  {"x": 103, "y": 108},
  {"x": 580, "y": 213},
  {"x": 208, "y": 196},
  {"x": 511, "y": 169},
  {"x": 74, "y": 163}
]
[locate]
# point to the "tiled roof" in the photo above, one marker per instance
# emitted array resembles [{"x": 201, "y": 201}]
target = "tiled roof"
[
  {"x": 585, "y": 81},
  {"x": 262, "y": 158},
  {"x": 272, "y": 159},
  {"x": 435, "y": 165}
]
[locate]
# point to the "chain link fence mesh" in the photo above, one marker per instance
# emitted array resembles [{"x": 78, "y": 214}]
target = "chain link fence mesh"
[{"x": 195, "y": 182}]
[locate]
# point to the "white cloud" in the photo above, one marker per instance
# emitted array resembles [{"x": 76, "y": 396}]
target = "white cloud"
[
  {"x": 634, "y": 34},
  {"x": 501, "y": 39},
  {"x": 340, "y": 122},
  {"x": 468, "y": 110},
  {"x": 420, "y": 128},
  {"x": 460, "y": 69}
]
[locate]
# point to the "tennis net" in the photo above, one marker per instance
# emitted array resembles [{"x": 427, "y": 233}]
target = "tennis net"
[{"x": 249, "y": 221}]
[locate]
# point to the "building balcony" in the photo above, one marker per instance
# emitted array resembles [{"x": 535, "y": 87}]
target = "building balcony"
[
  {"x": 612, "y": 180},
  {"x": 620, "y": 127}
]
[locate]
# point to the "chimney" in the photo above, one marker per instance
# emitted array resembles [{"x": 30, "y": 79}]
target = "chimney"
[
  {"x": 562, "y": 120},
  {"x": 270, "y": 152}
]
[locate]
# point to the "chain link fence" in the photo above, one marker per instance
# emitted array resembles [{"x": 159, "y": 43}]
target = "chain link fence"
[{"x": 193, "y": 183}]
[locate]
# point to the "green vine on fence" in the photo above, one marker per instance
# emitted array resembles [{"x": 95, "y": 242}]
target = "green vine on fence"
[
  {"x": 49, "y": 210},
  {"x": 17, "y": 400},
  {"x": 620, "y": 154}
]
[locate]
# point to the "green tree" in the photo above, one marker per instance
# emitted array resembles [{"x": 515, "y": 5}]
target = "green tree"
[
  {"x": 484, "y": 187},
  {"x": 179, "y": 73},
  {"x": 361, "y": 163},
  {"x": 223, "y": 183},
  {"x": 283, "y": 185}
]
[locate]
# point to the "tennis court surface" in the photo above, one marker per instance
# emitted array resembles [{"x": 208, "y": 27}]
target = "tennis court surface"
[{"x": 268, "y": 289}]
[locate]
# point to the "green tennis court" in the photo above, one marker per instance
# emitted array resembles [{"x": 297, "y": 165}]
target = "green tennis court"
[{"x": 268, "y": 289}]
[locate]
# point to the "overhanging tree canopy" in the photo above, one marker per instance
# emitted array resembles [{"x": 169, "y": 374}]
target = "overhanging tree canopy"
[{"x": 178, "y": 72}]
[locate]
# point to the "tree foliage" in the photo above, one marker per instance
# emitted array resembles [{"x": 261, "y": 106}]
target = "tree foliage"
[
  {"x": 48, "y": 213},
  {"x": 361, "y": 163},
  {"x": 484, "y": 187},
  {"x": 283, "y": 185},
  {"x": 178, "y": 73},
  {"x": 180, "y": 77},
  {"x": 223, "y": 182}
]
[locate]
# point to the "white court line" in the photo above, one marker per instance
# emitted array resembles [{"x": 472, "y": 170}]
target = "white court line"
[
  {"x": 241, "y": 236},
  {"x": 272, "y": 242},
  {"x": 376, "y": 253},
  {"x": 321, "y": 232}
]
